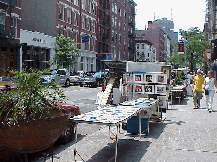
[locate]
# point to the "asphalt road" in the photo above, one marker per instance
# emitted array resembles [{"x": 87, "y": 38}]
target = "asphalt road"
[{"x": 85, "y": 98}]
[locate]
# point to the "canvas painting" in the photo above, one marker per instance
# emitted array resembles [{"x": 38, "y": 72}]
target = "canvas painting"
[
  {"x": 161, "y": 78},
  {"x": 149, "y": 78},
  {"x": 160, "y": 89},
  {"x": 149, "y": 89},
  {"x": 138, "y": 78},
  {"x": 162, "y": 101},
  {"x": 138, "y": 88}
]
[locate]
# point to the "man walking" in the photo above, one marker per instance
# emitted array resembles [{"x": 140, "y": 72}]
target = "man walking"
[{"x": 197, "y": 89}]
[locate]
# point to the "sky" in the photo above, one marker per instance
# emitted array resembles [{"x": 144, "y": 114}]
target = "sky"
[{"x": 185, "y": 13}]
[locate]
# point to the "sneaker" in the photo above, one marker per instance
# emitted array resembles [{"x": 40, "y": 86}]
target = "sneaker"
[
  {"x": 194, "y": 107},
  {"x": 210, "y": 111}
]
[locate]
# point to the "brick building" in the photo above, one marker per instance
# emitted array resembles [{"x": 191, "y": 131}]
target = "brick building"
[
  {"x": 108, "y": 25},
  {"x": 10, "y": 24}
]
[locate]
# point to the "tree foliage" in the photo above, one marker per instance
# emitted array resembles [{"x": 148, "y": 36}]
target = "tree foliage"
[
  {"x": 65, "y": 52},
  {"x": 195, "y": 45}
]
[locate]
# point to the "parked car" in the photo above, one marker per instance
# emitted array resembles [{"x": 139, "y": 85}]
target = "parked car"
[
  {"x": 6, "y": 83},
  {"x": 62, "y": 77},
  {"x": 48, "y": 77},
  {"x": 88, "y": 79},
  {"x": 75, "y": 77},
  {"x": 69, "y": 131},
  {"x": 100, "y": 78}
]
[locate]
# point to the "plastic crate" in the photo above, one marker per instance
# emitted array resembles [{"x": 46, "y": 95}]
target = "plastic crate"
[{"x": 133, "y": 125}]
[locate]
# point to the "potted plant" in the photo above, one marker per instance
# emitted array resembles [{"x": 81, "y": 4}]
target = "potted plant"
[{"x": 30, "y": 117}]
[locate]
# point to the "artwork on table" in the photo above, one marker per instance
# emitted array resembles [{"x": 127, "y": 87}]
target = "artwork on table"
[
  {"x": 162, "y": 101},
  {"x": 138, "y": 78},
  {"x": 160, "y": 89},
  {"x": 149, "y": 78},
  {"x": 149, "y": 89},
  {"x": 161, "y": 78},
  {"x": 138, "y": 88}
]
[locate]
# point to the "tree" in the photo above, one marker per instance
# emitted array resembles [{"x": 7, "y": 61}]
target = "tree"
[
  {"x": 195, "y": 45},
  {"x": 65, "y": 52}
]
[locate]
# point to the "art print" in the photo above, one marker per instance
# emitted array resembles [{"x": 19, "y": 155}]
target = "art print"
[
  {"x": 160, "y": 89},
  {"x": 149, "y": 89}
]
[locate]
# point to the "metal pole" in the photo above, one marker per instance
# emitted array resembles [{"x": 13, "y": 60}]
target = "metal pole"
[
  {"x": 116, "y": 148},
  {"x": 75, "y": 141}
]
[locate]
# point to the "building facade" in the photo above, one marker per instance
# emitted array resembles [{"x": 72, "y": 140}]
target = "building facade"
[
  {"x": 10, "y": 24},
  {"x": 102, "y": 29},
  {"x": 76, "y": 19},
  {"x": 145, "y": 51}
]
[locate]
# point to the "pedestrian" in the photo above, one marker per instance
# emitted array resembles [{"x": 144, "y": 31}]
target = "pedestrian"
[
  {"x": 188, "y": 84},
  {"x": 197, "y": 89},
  {"x": 209, "y": 90}
]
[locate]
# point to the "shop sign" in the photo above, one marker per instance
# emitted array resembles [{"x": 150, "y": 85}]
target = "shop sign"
[{"x": 43, "y": 41}]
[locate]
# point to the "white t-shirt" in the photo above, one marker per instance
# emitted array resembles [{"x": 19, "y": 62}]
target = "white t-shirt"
[{"x": 209, "y": 83}]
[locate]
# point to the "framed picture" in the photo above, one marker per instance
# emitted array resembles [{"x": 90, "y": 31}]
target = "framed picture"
[
  {"x": 149, "y": 78},
  {"x": 162, "y": 101},
  {"x": 161, "y": 78},
  {"x": 149, "y": 89},
  {"x": 138, "y": 78},
  {"x": 160, "y": 89},
  {"x": 138, "y": 88}
]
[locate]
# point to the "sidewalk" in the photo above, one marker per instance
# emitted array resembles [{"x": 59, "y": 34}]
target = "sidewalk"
[{"x": 185, "y": 135}]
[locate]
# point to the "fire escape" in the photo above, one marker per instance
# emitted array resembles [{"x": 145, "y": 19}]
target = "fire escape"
[{"x": 104, "y": 30}]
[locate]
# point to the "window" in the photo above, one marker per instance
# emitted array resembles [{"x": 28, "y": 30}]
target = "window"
[
  {"x": 75, "y": 38},
  {"x": 120, "y": 12},
  {"x": 14, "y": 27},
  {"x": 137, "y": 46},
  {"x": 88, "y": 44},
  {"x": 124, "y": 27},
  {"x": 81, "y": 63},
  {"x": 69, "y": 0},
  {"x": 143, "y": 46},
  {"x": 88, "y": 24},
  {"x": 93, "y": 8},
  {"x": 93, "y": 26},
  {"x": 119, "y": 39},
  {"x": 83, "y": 22},
  {"x": 75, "y": 19},
  {"x": 93, "y": 44},
  {"x": 116, "y": 9},
  {"x": 112, "y": 36},
  {"x": 61, "y": 12},
  {"x": 91, "y": 64},
  {"x": 116, "y": 22},
  {"x": 113, "y": 6},
  {"x": 68, "y": 33},
  {"x": 76, "y": 2},
  {"x": 83, "y": 4},
  {"x": 125, "y": 15},
  {"x": 60, "y": 30},
  {"x": 119, "y": 24},
  {"x": 113, "y": 21},
  {"x": 2, "y": 21},
  {"x": 68, "y": 15},
  {"x": 116, "y": 37},
  {"x": 88, "y": 5}
]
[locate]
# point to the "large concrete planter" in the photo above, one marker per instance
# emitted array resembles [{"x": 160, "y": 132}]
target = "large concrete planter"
[{"x": 32, "y": 135}]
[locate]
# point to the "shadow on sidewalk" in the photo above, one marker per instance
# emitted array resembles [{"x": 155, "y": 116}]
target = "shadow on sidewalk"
[{"x": 128, "y": 149}]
